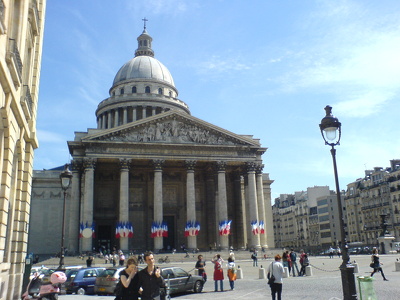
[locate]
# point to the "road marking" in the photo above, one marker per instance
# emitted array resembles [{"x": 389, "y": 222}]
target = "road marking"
[{"x": 249, "y": 293}]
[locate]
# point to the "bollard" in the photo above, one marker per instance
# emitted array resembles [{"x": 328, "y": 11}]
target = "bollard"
[
  {"x": 355, "y": 267},
  {"x": 239, "y": 273},
  {"x": 308, "y": 271},
  {"x": 285, "y": 272},
  {"x": 397, "y": 266},
  {"x": 261, "y": 273}
]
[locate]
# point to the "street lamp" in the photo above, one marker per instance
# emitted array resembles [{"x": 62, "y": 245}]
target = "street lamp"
[
  {"x": 329, "y": 127},
  {"x": 65, "y": 177}
]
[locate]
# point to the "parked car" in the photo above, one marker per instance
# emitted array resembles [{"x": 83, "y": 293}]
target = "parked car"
[
  {"x": 82, "y": 281},
  {"x": 179, "y": 281},
  {"x": 45, "y": 274},
  {"x": 107, "y": 281}
]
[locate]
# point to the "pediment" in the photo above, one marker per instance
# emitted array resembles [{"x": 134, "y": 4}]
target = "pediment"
[{"x": 172, "y": 128}]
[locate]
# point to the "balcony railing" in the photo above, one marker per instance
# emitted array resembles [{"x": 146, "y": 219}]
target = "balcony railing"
[
  {"x": 26, "y": 101},
  {"x": 14, "y": 61}
]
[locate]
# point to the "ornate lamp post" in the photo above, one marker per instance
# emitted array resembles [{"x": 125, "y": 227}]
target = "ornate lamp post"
[
  {"x": 329, "y": 127},
  {"x": 65, "y": 177}
]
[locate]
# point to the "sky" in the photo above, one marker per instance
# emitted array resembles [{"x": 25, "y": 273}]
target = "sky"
[{"x": 260, "y": 67}]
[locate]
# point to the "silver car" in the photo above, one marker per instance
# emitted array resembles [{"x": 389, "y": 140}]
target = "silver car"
[{"x": 180, "y": 281}]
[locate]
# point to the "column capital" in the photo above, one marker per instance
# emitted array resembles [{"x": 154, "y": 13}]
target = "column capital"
[
  {"x": 190, "y": 164},
  {"x": 125, "y": 164},
  {"x": 76, "y": 165},
  {"x": 251, "y": 166},
  {"x": 259, "y": 169},
  {"x": 158, "y": 164},
  {"x": 221, "y": 166},
  {"x": 89, "y": 163}
]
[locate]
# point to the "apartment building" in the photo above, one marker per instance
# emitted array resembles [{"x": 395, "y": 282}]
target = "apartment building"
[{"x": 21, "y": 37}]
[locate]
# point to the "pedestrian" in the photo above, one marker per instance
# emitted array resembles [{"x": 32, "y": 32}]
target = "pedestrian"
[
  {"x": 276, "y": 269},
  {"x": 375, "y": 264},
  {"x": 129, "y": 281},
  {"x": 331, "y": 252},
  {"x": 106, "y": 259},
  {"x": 200, "y": 266},
  {"x": 150, "y": 279},
  {"x": 304, "y": 262},
  {"x": 89, "y": 261},
  {"x": 285, "y": 262},
  {"x": 218, "y": 272},
  {"x": 293, "y": 258},
  {"x": 231, "y": 272},
  {"x": 121, "y": 259},
  {"x": 254, "y": 258},
  {"x": 289, "y": 260}
]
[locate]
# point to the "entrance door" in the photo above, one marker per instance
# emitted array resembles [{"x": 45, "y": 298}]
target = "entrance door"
[
  {"x": 169, "y": 242},
  {"x": 104, "y": 237}
]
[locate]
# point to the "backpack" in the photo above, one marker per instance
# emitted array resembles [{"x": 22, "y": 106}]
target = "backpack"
[{"x": 293, "y": 256}]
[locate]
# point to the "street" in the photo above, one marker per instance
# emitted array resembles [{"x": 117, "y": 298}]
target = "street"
[{"x": 324, "y": 284}]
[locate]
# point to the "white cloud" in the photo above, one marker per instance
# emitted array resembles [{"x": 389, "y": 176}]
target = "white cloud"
[
  {"x": 50, "y": 137},
  {"x": 354, "y": 56}
]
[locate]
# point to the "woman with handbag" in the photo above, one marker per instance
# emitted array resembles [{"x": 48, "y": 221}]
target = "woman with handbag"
[
  {"x": 275, "y": 275},
  {"x": 375, "y": 264},
  {"x": 218, "y": 272}
]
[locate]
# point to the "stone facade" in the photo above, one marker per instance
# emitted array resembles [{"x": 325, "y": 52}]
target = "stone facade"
[
  {"x": 378, "y": 193},
  {"x": 21, "y": 36},
  {"x": 149, "y": 160}
]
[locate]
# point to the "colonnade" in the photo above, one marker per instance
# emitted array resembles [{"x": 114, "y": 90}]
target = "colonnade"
[
  {"x": 119, "y": 115},
  {"x": 254, "y": 202}
]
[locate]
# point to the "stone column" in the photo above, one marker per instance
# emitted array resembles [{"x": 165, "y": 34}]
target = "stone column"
[
  {"x": 109, "y": 121},
  {"x": 125, "y": 115},
  {"x": 116, "y": 117},
  {"x": 252, "y": 203},
  {"x": 73, "y": 208},
  {"x": 158, "y": 200},
  {"x": 154, "y": 111},
  {"x": 144, "y": 112},
  {"x": 134, "y": 114},
  {"x": 190, "y": 200},
  {"x": 261, "y": 203},
  {"x": 124, "y": 200},
  {"x": 222, "y": 202},
  {"x": 87, "y": 206},
  {"x": 240, "y": 211},
  {"x": 269, "y": 226},
  {"x": 103, "y": 121}
]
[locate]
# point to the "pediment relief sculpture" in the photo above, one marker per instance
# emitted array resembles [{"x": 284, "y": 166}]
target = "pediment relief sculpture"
[{"x": 173, "y": 131}]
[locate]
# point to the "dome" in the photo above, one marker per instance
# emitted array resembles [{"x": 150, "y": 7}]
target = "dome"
[
  {"x": 144, "y": 67},
  {"x": 143, "y": 87}
]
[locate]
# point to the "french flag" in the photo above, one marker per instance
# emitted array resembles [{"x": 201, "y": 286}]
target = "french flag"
[
  {"x": 254, "y": 227},
  {"x": 262, "y": 229}
]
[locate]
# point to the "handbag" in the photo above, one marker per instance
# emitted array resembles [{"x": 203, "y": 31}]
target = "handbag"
[
  {"x": 372, "y": 265},
  {"x": 271, "y": 278}
]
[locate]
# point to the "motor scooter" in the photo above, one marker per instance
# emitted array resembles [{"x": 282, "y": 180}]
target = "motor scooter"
[{"x": 36, "y": 289}]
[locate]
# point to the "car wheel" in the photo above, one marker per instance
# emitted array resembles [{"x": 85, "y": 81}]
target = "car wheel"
[
  {"x": 198, "y": 286},
  {"x": 80, "y": 291}
]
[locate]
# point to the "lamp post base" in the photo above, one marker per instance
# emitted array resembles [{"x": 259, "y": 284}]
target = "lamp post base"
[{"x": 348, "y": 283}]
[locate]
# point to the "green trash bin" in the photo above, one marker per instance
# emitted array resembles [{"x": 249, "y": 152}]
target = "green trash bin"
[{"x": 366, "y": 288}]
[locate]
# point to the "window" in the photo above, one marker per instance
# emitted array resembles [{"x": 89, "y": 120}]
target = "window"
[
  {"x": 170, "y": 93},
  {"x": 121, "y": 91},
  {"x": 147, "y": 90},
  {"x": 133, "y": 89},
  {"x": 160, "y": 91}
]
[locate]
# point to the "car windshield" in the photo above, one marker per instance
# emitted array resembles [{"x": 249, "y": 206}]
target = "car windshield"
[
  {"x": 108, "y": 273},
  {"x": 72, "y": 274}
]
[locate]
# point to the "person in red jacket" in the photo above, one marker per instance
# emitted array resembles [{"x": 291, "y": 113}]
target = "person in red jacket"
[{"x": 218, "y": 272}]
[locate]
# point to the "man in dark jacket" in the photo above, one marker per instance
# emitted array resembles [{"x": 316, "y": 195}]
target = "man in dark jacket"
[{"x": 150, "y": 279}]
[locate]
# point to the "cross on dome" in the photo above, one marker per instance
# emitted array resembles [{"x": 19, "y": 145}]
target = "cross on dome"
[{"x": 144, "y": 20}]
